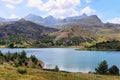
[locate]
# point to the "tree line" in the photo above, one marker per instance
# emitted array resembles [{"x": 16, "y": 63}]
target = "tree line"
[
  {"x": 20, "y": 59},
  {"x": 103, "y": 69}
]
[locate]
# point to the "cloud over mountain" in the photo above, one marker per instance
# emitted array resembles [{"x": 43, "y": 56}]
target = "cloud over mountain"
[
  {"x": 13, "y": 16},
  {"x": 57, "y": 8},
  {"x": 114, "y": 20},
  {"x": 87, "y": 10}
]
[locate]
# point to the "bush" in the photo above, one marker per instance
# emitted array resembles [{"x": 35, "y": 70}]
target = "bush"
[
  {"x": 22, "y": 71},
  {"x": 20, "y": 62},
  {"x": 16, "y": 64},
  {"x": 102, "y": 68},
  {"x": 114, "y": 70}
]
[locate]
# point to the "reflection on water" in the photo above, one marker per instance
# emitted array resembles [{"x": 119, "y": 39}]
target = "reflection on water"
[
  {"x": 70, "y": 69},
  {"x": 69, "y": 59}
]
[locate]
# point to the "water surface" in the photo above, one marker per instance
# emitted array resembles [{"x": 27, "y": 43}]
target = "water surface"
[{"x": 69, "y": 59}]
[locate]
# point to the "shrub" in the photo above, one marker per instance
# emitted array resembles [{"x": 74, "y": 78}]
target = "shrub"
[
  {"x": 22, "y": 71},
  {"x": 114, "y": 70},
  {"x": 20, "y": 62},
  {"x": 16, "y": 64},
  {"x": 102, "y": 68}
]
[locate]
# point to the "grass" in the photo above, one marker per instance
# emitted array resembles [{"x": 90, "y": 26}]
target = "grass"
[{"x": 8, "y": 72}]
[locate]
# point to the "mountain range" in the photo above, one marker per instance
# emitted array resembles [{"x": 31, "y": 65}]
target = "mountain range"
[
  {"x": 69, "y": 31},
  {"x": 49, "y": 21},
  {"x": 52, "y": 21}
]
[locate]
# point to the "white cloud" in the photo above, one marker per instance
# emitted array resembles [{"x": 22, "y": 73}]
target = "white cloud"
[
  {"x": 32, "y": 3},
  {"x": 13, "y": 16},
  {"x": 57, "y": 8},
  {"x": 10, "y": 6},
  {"x": 114, "y": 20},
  {"x": 88, "y": 1},
  {"x": 13, "y": 1},
  {"x": 87, "y": 10},
  {"x": 63, "y": 13}
]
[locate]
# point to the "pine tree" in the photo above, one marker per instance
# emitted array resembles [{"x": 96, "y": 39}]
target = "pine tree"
[
  {"x": 56, "y": 68},
  {"x": 102, "y": 68},
  {"x": 114, "y": 70}
]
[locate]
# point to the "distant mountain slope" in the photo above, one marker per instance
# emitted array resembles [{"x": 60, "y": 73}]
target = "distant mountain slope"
[
  {"x": 108, "y": 45},
  {"x": 52, "y": 21},
  {"x": 91, "y": 20},
  {"x": 110, "y": 31},
  {"x": 2, "y": 19},
  {"x": 34, "y": 18},
  {"x": 73, "y": 36},
  {"x": 95, "y": 25},
  {"x": 47, "y": 21},
  {"x": 91, "y": 23},
  {"x": 115, "y": 27},
  {"x": 7, "y": 20},
  {"x": 74, "y": 18},
  {"x": 24, "y": 28}
]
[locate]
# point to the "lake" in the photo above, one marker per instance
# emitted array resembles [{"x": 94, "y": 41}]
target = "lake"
[{"x": 69, "y": 59}]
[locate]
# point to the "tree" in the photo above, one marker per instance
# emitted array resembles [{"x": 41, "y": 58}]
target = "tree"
[
  {"x": 34, "y": 59},
  {"x": 14, "y": 56},
  {"x": 102, "y": 68},
  {"x": 8, "y": 56},
  {"x": 23, "y": 55},
  {"x": 114, "y": 70},
  {"x": 1, "y": 54},
  {"x": 56, "y": 68},
  {"x": 11, "y": 45}
]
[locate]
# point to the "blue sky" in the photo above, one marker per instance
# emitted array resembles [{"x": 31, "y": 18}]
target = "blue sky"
[{"x": 106, "y": 10}]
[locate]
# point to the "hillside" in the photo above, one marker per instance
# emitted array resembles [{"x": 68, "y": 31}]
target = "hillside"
[
  {"x": 24, "y": 28},
  {"x": 110, "y": 31},
  {"x": 22, "y": 33},
  {"x": 73, "y": 36},
  {"x": 6, "y": 73},
  {"x": 91, "y": 23},
  {"x": 95, "y": 25},
  {"x": 73, "y": 31},
  {"x": 108, "y": 45}
]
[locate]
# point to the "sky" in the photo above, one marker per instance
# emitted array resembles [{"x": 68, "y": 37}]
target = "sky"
[{"x": 106, "y": 10}]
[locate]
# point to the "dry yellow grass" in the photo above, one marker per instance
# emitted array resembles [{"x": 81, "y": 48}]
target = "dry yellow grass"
[{"x": 10, "y": 73}]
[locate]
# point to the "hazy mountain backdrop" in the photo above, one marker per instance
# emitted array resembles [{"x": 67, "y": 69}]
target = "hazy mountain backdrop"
[{"x": 69, "y": 31}]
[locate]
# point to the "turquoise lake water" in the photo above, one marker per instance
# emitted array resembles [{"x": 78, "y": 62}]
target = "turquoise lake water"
[{"x": 69, "y": 59}]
